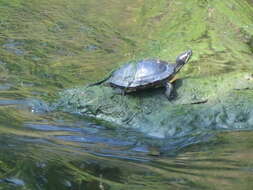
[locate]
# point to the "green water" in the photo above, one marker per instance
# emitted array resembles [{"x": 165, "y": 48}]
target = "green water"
[{"x": 47, "y": 46}]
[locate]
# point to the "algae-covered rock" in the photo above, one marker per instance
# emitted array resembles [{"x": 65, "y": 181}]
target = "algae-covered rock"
[
  {"x": 198, "y": 105},
  {"x": 215, "y": 91}
]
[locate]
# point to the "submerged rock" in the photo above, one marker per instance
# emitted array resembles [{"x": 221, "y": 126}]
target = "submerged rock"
[{"x": 199, "y": 105}]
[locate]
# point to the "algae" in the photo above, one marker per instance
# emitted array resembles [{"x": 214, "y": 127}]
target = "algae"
[
  {"x": 200, "y": 103},
  {"x": 51, "y": 45},
  {"x": 216, "y": 86}
]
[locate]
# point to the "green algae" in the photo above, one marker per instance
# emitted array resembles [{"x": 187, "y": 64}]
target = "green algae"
[
  {"x": 55, "y": 38},
  {"x": 50, "y": 45},
  {"x": 219, "y": 33},
  {"x": 222, "y": 102}
]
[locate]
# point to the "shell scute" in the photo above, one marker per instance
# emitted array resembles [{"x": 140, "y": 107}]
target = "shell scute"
[{"x": 141, "y": 73}]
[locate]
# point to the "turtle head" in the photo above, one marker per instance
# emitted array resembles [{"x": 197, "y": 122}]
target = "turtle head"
[{"x": 182, "y": 59}]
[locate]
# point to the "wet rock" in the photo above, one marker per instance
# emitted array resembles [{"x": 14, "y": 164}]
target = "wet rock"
[
  {"x": 37, "y": 106},
  {"x": 198, "y": 105}
]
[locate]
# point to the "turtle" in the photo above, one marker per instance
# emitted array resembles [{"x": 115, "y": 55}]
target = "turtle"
[{"x": 147, "y": 73}]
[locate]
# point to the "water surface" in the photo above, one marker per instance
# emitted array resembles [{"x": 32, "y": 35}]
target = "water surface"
[{"x": 47, "y": 46}]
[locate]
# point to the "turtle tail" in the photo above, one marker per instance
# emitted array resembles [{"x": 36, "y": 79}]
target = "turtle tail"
[{"x": 100, "y": 81}]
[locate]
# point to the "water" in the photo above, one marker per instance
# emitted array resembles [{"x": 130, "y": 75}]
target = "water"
[
  {"x": 62, "y": 151},
  {"x": 52, "y": 45}
]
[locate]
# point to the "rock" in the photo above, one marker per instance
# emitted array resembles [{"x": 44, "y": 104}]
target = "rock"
[{"x": 199, "y": 105}]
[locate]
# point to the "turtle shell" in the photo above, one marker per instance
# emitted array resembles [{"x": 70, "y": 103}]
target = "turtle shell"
[{"x": 143, "y": 73}]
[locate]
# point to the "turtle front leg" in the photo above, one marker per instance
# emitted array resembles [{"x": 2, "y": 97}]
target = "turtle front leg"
[
  {"x": 119, "y": 91},
  {"x": 169, "y": 88}
]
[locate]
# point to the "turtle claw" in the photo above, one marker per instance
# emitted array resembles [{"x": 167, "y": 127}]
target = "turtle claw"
[
  {"x": 119, "y": 91},
  {"x": 169, "y": 88}
]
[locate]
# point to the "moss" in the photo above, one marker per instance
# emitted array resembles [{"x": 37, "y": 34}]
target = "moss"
[{"x": 200, "y": 103}]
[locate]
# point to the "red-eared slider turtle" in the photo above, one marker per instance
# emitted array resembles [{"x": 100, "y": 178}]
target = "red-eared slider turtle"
[{"x": 149, "y": 73}]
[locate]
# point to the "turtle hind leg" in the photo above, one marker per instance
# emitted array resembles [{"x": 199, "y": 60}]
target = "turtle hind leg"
[{"x": 168, "y": 91}]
